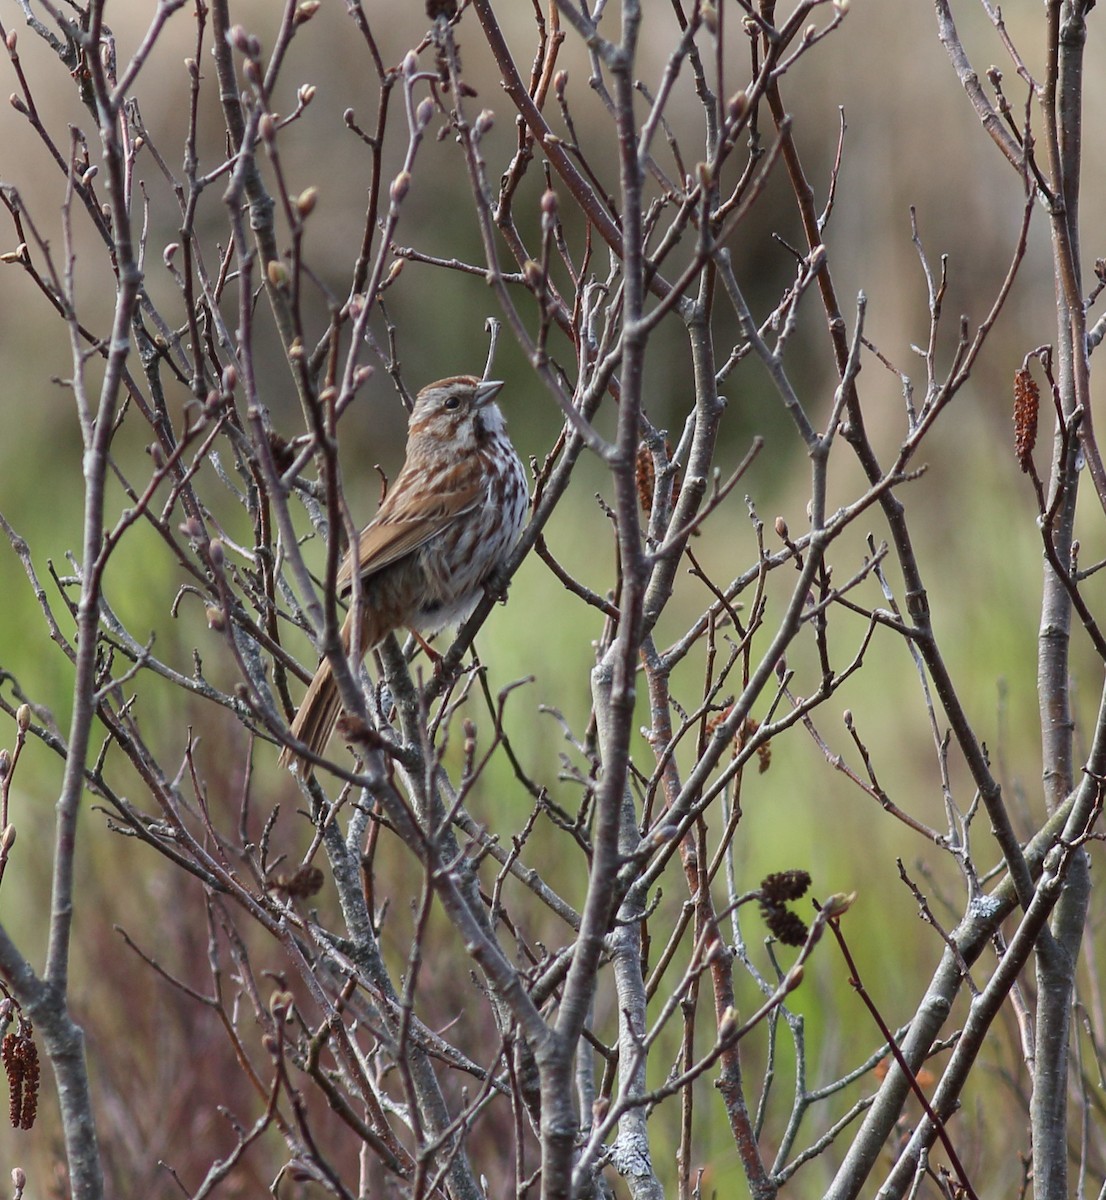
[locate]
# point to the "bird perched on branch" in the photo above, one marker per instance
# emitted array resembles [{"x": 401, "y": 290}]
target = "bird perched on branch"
[{"x": 447, "y": 523}]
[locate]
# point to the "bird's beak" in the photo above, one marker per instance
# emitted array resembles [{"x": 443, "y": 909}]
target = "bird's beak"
[{"x": 486, "y": 391}]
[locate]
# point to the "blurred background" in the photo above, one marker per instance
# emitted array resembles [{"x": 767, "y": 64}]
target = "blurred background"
[{"x": 911, "y": 141}]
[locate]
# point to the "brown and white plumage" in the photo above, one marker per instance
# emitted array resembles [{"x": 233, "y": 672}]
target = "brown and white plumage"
[{"x": 451, "y": 517}]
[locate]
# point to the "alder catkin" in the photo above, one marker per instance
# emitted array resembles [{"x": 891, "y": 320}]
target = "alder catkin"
[{"x": 1027, "y": 402}]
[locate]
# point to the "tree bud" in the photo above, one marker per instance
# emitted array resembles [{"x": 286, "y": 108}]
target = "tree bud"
[
  {"x": 306, "y": 201},
  {"x": 737, "y": 105},
  {"x": 400, "y": 186}
]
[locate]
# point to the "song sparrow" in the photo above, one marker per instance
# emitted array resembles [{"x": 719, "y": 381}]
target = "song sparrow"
[{"x": 451, "y": 517}]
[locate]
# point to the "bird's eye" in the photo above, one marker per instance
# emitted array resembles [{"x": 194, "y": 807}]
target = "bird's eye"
[{"x": 452, "y": 401}]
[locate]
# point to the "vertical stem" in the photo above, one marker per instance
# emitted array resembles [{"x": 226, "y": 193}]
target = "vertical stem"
[
  {"x": 1057, "y": 953},
  {"x": 613, "y": 689},
  {"x": 64, "y": 1040},
  {"x": 1055, "y": 631}
]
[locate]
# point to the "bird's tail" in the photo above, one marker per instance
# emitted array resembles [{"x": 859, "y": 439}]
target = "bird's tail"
[{"x": 318, "y": 713}]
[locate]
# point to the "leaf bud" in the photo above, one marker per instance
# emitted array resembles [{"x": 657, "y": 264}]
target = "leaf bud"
[
  {"x": 400, "y": 186},
  {"x": 737, "y": 105},
  {"x": 306, "y": 201},
  {"x": 838, "y": 904},
  {"x": 281, "y": 1004},
  {"x": 239, "y": 38}
]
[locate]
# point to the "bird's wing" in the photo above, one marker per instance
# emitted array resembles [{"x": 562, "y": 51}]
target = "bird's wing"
[{"x": 399, "y": 528}]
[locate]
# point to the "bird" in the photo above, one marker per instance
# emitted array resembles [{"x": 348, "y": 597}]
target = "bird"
[{"x": 443, "y": 529}]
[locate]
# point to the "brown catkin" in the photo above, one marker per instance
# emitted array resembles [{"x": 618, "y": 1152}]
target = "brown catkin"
[
  {"x": 20, "y": 1059},
  {"x": 13, "y": 1069},
  {"x": 29, "y": 1108},
  {"x": 646, "y": 478},
  {"x": 1027, "y": 402}
]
